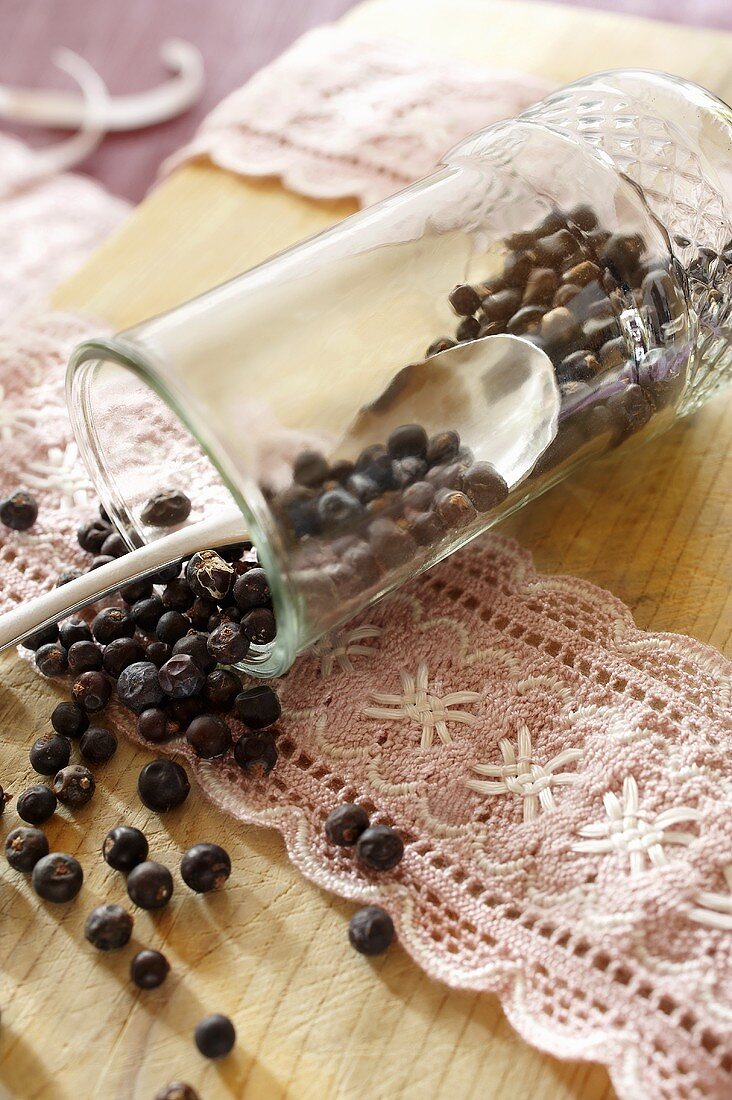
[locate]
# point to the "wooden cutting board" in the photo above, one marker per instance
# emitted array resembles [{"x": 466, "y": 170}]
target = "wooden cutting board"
[{"x": 315, "y": 1020}]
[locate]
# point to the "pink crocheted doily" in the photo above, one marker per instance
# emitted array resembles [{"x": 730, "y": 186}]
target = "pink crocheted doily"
[
  {"x": 344, "y": 115},
  {"x": 560, "y": 777}
]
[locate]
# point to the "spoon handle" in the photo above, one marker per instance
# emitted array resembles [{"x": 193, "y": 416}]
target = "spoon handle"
[{"x": 221, "y": 530}]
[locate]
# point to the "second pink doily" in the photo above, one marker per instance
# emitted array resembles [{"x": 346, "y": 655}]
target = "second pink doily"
[{"x": 342, "y": 115}]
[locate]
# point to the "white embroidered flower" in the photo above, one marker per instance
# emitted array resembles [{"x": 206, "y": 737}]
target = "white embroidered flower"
[
  {"x": 338, "y": 647},
  {"x": 64, "y": 472},
  {"x": 14, "y": 420},
  {"x": 715, "y": 909},
  {"x": 418, "y": 705},
  {"x": 525, "y": 776},
  {"x": 640, "y": 835}
]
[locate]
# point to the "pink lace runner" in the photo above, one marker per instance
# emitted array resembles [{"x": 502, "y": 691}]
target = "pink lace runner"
[
  {"x": 341, "y": 115},
  {"x": 560, "y": 777},
  {"x": 49, "y": 223}
]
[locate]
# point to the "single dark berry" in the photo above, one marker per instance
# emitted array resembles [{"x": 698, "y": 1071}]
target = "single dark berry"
[
  {"x": 200, "y": 612},
  {"x": 208, "y": 736},
  {"x": 69, "y": 719},
  {"x": 19, "y": 511},
  {"x": 49, "y": 754},
  {"x": 24, "y": 847},
  {"x": 371, "y": 930},
  {"x": 183, "y": 711},
  {"x": 4, "y": 798},
  {"x": 215, "y": 1036},
  {"x": 177, "y": 1090},
  {"x": 258, "y": 707},
  {"x": 91, "y": 535},
  {"x": 146, "y": 612},
  {"x": 124, "y": 847},
  {"x": 454, "y": 508},
  {"x": 180, "y": 677},
  {"x": 111, "y": 623},
  {"x": 138, "y": 687},
  {"x": 391, "y": 544},
  {"x": 154, "y": 725},
  {"x": 57, "y": 877},
  {"x": 177, "y": 596},
  {"x": 148, "y": 970},
  {"x": 228, "y": 643},
  {"x": 108, "y": 927},
  {"x": 85, "y": 656},
  {"x": 99, "y": 561},
  {"x": 379, "y": 848},
  {"x": 259, "y": 626},
  {"x": 74, "y": 785},
  {"x": 443, "y": 448},
  {"x": 205, "y": 867},
  {"x": 373, "y": 455},
  {"x": 45, "y": 636},
  {"x": 158, "y": 653},
  {"x": 150, "y": 885},
  {"x": 73, "y": 630},
  {"x": 222, "y": 688},
  {"x": 310, "y": 468},
  {"x": 484, "y": 486},
  {"x": 52, "y": 659},
  {"x": 163, "y": 785},
  {"x": 464, "y": 299},
  {"x": 67, "y": 577},
  {"x": 426, "y": 528},
  {"x": 344, "y": 825},
  {"x": 172, "y": 626},
  {"x": 407, "y": 441},
  {"x": 115, "y": 546},
  {"x": 121, "y": 653},
  {"x": 92, "y": 690},
  {"x": 98, "y": 745},
  {"x": 167, "y": 573},
  {"x": 252, "y": 590},
  {"x": 166, "y": 509},
  {"x": 36, "y": 804},
  {"x": 209, "y": 575},
  {"x": 256, "y": 749},
  {"x": 136, "y": 592}
]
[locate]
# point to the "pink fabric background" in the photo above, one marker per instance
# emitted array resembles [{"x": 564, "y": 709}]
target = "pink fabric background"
[{"x": 236, "y": 38}]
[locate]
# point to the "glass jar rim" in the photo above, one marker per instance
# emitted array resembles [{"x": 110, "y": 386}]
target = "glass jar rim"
[{"x": 84, "y": 360}]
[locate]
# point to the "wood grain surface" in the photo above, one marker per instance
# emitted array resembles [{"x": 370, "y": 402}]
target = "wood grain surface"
[{"x": 315, "y": 1020}]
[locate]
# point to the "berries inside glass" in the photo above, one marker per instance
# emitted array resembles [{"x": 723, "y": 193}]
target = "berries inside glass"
[{"x": 348, "y": 397}]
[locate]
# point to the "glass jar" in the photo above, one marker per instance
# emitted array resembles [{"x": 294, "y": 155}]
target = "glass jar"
[{"x": 376, "y": 397}]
